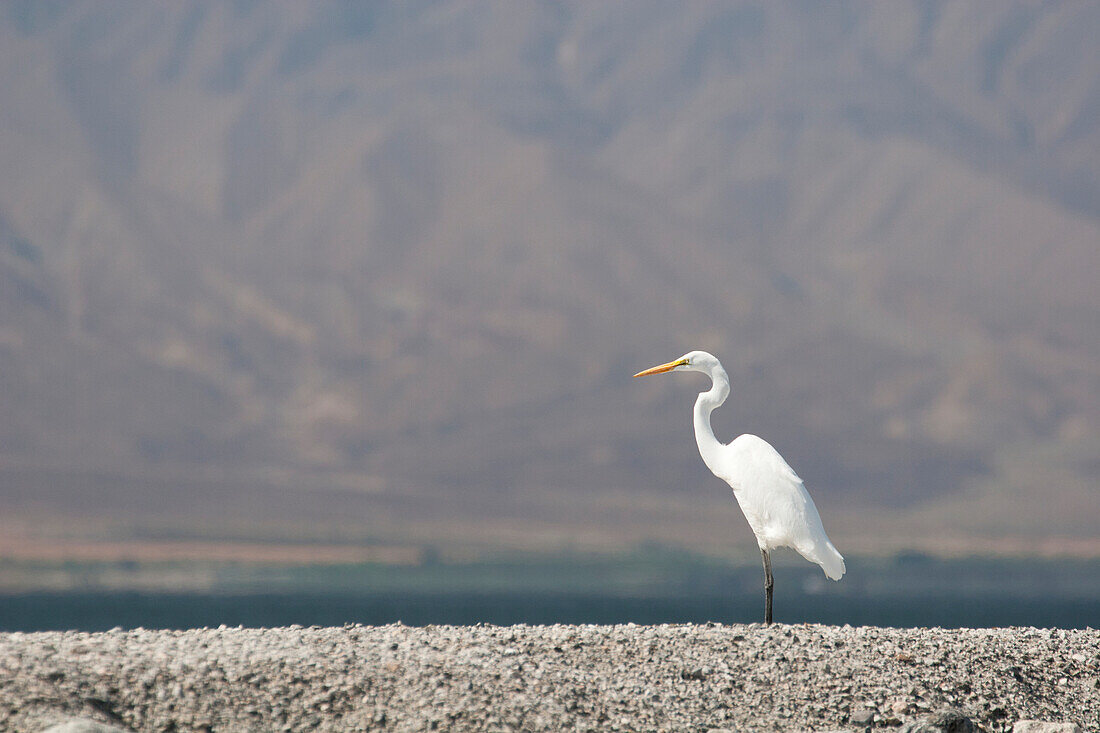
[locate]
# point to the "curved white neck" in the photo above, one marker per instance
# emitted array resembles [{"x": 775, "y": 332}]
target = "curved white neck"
[{"x": 704, "y": 405}]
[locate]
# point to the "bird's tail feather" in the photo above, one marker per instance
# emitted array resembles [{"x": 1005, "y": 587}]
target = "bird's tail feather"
[{"x": 831, "y": 561}]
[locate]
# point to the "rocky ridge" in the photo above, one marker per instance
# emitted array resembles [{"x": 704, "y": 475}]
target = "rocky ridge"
[{"x": 542, "y": 678}]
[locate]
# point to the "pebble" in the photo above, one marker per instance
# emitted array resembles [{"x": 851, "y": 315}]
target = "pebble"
[
  {"x": 552, "y": 678},
  {"x": 862, "y": 717}
]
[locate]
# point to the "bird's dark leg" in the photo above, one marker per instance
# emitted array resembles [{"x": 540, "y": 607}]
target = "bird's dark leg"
[{"x": 768, "y": 583}]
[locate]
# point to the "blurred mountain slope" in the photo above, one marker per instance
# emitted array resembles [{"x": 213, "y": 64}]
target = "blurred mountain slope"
[{"x": 360, "y": 265}]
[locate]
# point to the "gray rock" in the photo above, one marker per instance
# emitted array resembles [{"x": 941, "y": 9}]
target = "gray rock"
[
  {"x": 1040, "y": 726},
  {"x": 945, "y": 721},
  {"x": 83, "y": 725}
]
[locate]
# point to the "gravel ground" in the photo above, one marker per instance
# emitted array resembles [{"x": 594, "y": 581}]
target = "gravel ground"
[{"x": 547, "y": 678}]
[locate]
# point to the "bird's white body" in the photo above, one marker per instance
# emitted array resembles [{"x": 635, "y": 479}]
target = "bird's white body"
[
  {"x": 771, "y": 495},
  {"x": 776, "y": 503}
]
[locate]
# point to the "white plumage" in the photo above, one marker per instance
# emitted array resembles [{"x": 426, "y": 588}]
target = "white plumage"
[
  {"x": 776, "y": 503},
  {"x": 771, "y": 495}
]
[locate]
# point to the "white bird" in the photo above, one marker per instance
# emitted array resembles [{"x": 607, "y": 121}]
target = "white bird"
[{"x": 769, "y": 492}]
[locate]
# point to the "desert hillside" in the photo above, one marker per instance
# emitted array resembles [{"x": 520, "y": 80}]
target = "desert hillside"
[{"x": 346, "y": 271}]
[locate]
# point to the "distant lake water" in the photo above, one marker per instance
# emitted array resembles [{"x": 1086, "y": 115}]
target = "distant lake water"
[
  {"x": 901, "y": 592},
  {"x": 100, "y": 611}
]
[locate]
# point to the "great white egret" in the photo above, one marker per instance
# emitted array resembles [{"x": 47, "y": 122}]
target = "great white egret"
[{"x": 771, "y": 495}]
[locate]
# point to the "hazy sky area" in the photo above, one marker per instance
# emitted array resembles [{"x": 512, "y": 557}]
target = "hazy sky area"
[{"x": 381, "y": 272}]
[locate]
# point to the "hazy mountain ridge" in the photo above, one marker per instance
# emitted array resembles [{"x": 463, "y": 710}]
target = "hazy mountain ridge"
[{"x": 414, "y": 253}]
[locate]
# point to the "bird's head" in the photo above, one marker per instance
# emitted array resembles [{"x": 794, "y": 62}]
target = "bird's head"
[{"x": 693, "y": 361}]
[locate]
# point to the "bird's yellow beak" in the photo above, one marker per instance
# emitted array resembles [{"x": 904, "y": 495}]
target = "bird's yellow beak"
[{"x": 662, "y": 368}]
